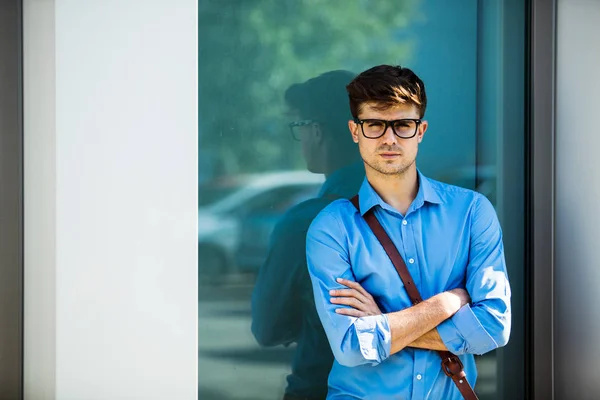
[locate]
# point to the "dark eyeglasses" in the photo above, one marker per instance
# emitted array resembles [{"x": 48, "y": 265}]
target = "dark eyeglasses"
[
  {"x": 295, "y": 128},
  {"x": 405, "y": 128}
]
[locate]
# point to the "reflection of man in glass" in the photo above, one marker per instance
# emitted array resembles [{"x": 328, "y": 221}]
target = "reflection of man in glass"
[
  {"x": 449, "y": 237},
  {"x": 283, "y": 309}
]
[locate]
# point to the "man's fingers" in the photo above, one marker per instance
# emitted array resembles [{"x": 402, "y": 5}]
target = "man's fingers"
[
  {"x": 356, "y": 297},
  {"x": 348, "y": 293},
  {"x": 351, "y": 312},
  {"x": 349, "y": 301},
  {"x": 349, "y": 283},
  {"x": 353, "y": 285},
  {"x": 343, "y": 292}
]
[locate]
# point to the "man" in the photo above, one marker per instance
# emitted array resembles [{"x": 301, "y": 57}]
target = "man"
[
  {"x": 449, "y": 237},
  {"x": 283, "y": 309}
]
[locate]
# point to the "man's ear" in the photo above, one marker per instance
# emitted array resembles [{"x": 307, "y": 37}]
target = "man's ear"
[
  {"x": 422, "y": 128},
  {"x": 317, "y": 132},
  {"x": 353, "y": 127}
]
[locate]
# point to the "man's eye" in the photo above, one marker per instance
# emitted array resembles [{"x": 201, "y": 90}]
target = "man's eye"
[
  {"x": 375, "y": 124},
  {"x": 404, "y": 124}
]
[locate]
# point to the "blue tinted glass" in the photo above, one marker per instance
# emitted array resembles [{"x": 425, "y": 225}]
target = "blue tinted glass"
[{"x": 262, "y": 181}]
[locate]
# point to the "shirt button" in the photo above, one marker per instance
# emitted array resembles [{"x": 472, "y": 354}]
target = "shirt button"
[
  {"x": 419, "y": 376},
  {"x": 411, "y": 260},
  {"x": 404, "y": 222}
]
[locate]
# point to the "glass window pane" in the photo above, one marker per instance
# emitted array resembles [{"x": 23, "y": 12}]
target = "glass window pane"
[{"x": 267, "y": 166}]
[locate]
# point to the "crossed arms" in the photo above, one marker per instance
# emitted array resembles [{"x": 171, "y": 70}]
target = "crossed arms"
[
  {"x": 412, "y": 327},
  {"x": 473, "y": 320}
]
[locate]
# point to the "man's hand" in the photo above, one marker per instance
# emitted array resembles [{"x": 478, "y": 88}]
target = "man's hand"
[{"x": 361, "y": 302}]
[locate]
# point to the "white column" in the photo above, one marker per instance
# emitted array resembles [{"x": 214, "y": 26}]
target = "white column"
[
  {"x": 110, "y": 199},
  {"x": 577, "y": 280}
]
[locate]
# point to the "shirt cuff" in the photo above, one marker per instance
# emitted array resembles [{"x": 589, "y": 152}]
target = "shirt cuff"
[
  {"x": 374, "y": 337},
  {"x": 463, "y": 333}
]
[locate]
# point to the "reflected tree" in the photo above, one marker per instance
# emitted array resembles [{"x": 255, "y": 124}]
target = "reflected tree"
[{"x": 250, "y": 51}]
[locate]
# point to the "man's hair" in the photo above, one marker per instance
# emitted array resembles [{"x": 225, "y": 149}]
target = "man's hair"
[
  {"x": 386, "y": 86},
  {"x": 325, "y": 100}
]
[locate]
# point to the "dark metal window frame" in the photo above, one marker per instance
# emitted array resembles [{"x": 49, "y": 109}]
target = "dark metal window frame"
[
  {"x": 540, "y": 199},
  {"x": 11, "y": 200},
  {"x": 539, "y": 186}
]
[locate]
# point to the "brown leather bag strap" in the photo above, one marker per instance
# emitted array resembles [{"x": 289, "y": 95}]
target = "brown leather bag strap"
[{"x": 451, "y": 364}]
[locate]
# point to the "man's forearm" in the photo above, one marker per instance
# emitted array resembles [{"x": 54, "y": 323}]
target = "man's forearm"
[
  {"x": 430, "y": 341},
  {"x": 409, "y": 325}
]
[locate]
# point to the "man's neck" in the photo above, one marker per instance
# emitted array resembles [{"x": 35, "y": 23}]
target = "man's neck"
[{"x": 399, "y": 191}]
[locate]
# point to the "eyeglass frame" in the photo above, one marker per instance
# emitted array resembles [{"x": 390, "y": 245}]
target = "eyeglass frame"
[
  {"x": 388, "y": 124},
  {"x": 300, "y": 123}
]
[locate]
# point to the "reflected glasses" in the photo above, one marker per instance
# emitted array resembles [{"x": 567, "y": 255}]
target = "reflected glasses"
[
  {"x": 405, "y": 128},
  {"x": 296, "y": 128}
]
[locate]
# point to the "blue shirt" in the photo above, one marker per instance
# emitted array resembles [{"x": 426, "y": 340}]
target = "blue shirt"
[
  {"x": 449, "y": 238},
  {"x": 283, "y": 309}
]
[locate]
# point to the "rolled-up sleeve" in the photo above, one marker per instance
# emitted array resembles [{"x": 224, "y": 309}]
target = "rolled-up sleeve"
[
  {"x": 353, "y": 341},
  {"x": 485, "y": 324}
]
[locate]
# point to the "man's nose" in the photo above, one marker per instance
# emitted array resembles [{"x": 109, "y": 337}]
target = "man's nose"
[{"x": 389, "y": 137}]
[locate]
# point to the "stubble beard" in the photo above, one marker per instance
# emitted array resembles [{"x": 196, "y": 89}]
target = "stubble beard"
[{"x": 389, "y": 170}]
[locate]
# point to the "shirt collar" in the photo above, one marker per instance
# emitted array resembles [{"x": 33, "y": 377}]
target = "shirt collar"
[
  {"x": 430, "y": 195},
  {"x": 369, "y": 198}
]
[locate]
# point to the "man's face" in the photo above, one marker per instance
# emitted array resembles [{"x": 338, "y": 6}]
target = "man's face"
[
  {"x": 309, "y": 133},
  {"x": 388, "y": 154},
  {"x": 311, "y": 141}
]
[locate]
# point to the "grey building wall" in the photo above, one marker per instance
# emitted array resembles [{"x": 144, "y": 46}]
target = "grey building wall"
[
  {"x": 577, "y": 237},
  {"x": 11, "y": 199}
]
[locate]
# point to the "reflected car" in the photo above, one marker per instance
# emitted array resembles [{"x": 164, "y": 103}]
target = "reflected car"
[
  {"x": 257, "y": 227},
  {"x": 219, "y": 218}
]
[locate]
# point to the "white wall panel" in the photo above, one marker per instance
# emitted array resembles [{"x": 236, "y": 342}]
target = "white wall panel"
[{"x": 111, "y": 161}]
